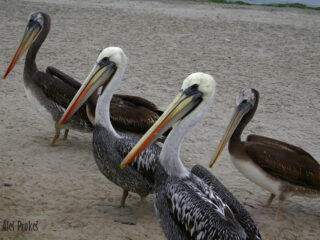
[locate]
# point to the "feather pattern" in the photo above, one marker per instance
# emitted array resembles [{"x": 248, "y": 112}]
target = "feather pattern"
[
  {"x": 63, "y": 76},
  {"x": 292, "y": 165},
  {"x": 127, "y": 113},
  {"x": 278, "y": 144},
  {"x": 195, "y": 205},
  {"x": 281, "y": 168},
  {"x": 145, "y": 162},
  {"x": 53, "y": 90},
  {"x": 138, "y": 177},
  {"x": 55, "y": 94},
  {"x": 133, "y": 113},
  {"x": 227, "y": 197},
  {"x": 196, "y": 209}
]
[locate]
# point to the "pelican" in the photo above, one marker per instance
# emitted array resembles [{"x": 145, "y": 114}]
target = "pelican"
[
  {"x": 110, "y": 146},
  {"x": 52, "y": 91},
  {"x": 279, "y": 167},
  {"x": 191, "y": 205}
]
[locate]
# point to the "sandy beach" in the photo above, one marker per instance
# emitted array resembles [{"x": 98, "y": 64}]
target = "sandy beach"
[{"x": 61, "y": 190}]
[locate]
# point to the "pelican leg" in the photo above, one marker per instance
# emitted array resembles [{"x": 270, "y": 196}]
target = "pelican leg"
[
  {"x": 279, "y": 213},
  {"x": 123, "y": 199},
  {"x": 56, "y": 136},
  {"x": 65, "y": 136},
  {"x": 253, "y": 203},
  {"x": 270, "y": 199},
  {"x": 141, "y": 210},
  {"x": 143, "y": 201}
]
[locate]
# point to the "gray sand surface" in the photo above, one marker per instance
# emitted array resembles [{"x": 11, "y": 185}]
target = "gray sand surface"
[{"x": 275, "y": 50}]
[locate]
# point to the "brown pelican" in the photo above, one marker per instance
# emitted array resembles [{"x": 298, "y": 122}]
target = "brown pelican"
[
  {"x": 276, "y": 166},
  {"x": 110, "y": 146},
  {"x": 52, "y": 91},
  {"x": 191, "y": 205}
]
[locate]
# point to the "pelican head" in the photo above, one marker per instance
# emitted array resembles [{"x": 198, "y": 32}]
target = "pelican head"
[
  {"x": 197, "y": 91},
  {"x": 108, "y": 61},
  {"x": 114, "y": 54},
  {"x": 246, "y": 101},
  {"x": 34, "y": 26}
]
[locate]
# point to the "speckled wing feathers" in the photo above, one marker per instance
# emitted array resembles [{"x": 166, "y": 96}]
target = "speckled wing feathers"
[
  {"x": 169, "y": 225},
  {"x": 145, "y": 162},
  {"x": 110, "y": 151},
  {"x": 238, "y": 210},
  {"x": 201, "y": 212}
]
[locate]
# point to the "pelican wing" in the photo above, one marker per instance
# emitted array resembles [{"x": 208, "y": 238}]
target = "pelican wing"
[
  {"x": 169, "y": 225},
  {"x": 60, "y": 93},
  {"x": 292, "y": 166},
  {"x": 145, "y": 162},
  {"x": 64, "y": 77},
  {"x": 277, "y": 144},
  {"x": 129, "y": 113},
  {"x": 227, "y": 197},
  {"x": 138, "y": 101},
  {"x": 132, "y": 113},
  {"x": 199, "y": 212}
]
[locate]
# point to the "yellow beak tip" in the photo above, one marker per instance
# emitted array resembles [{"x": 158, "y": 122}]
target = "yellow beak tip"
[
  {"x": 58, "y": 125},
  {"x": 122, "y": 165}
]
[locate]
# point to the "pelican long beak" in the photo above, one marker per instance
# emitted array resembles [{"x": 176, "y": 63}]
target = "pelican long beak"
[
  {"x": 238, "y": 114},
  {"x": 31, "y": 32},
  {"x": 182, "y": 105},
  {"x": 100, "y": 75}
]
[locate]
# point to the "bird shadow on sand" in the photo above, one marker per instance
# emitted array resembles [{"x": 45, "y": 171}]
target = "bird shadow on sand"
[
  {"x": 73, "y": 141},
  {"x": 131, "y": 213},
  {"x": 121, "y": 215},
  {"x": 292, "y": 210}
]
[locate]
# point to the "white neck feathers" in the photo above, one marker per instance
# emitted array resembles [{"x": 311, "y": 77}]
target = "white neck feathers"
[
  {"x": 102, "y": 116},
  {"x": 170, "y": 154}
]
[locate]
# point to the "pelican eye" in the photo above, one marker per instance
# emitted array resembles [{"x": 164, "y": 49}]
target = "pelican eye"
[
  {"x": 104, "y": 61},
  {"x": 31, "y": 23},
  {"x": 34, "y": 16},
  {"x": 195, "y": 86},
  {"x": 192, "y": 90}
]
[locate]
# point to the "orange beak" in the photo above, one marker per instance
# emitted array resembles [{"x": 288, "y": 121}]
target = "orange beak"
[
  {"x": 178, "y": 109},
  {"x": 234, "y": 122},
  {"x": 99, "y": 75},
  {"x": 29, "y": 35}
]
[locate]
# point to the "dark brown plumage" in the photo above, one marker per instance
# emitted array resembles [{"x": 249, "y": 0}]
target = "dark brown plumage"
[
  {"x": 128, "y": 113},
  {"x": 52, "y": 91},
  {"x": 133, "y": 113},
  {"x": 279, "y": 167},
  {"x": 284, "y": 161}
]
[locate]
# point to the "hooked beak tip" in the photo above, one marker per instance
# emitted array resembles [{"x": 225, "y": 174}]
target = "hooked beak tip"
[
  {"x": 4, "y": 76},
  {"x": 122, "y": 165},
  {"x": 58, "y": 125}
]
